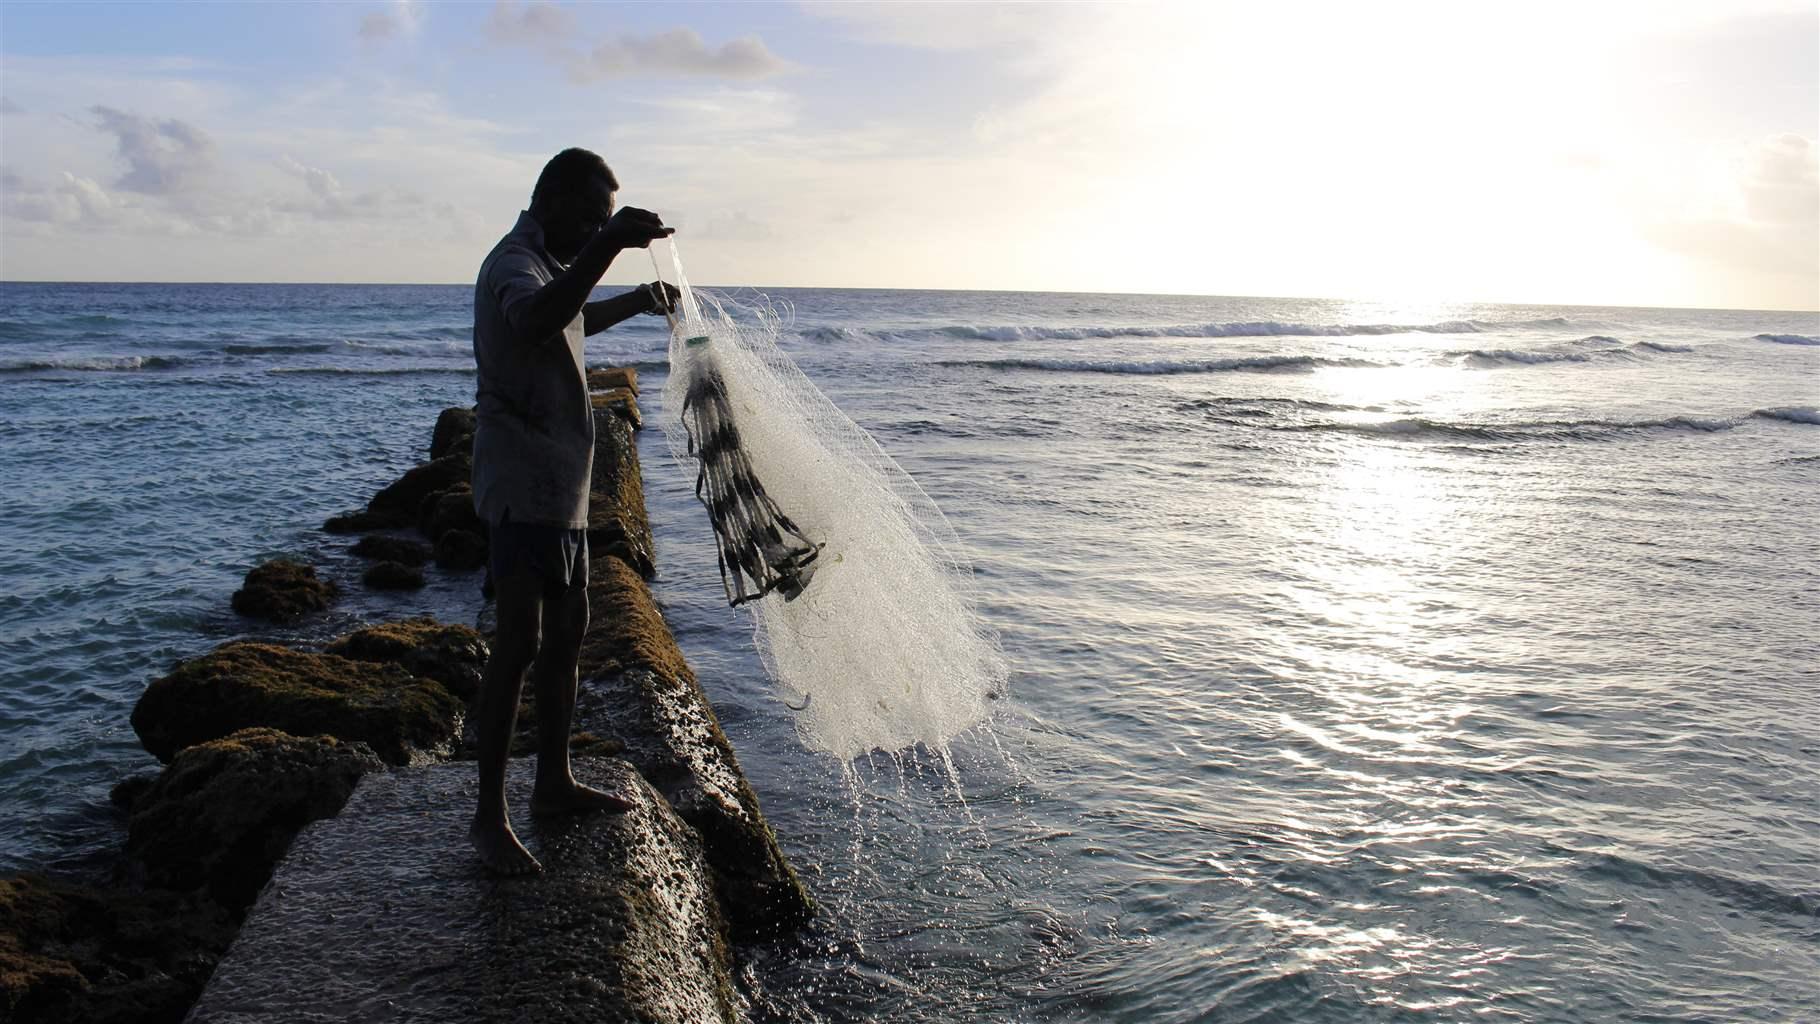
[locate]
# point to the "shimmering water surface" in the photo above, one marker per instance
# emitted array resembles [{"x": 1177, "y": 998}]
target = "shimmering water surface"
[{"x": 1369, "y": 663}]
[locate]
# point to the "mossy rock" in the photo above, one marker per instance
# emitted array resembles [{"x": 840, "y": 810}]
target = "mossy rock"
[
  {"x": 452, "y": 509},
  {"x": 453, "y": 655},
  {"x": 403, "y": 498},
  {"x": 383, "y": 548},
  {"x": 283, "y": 591},
  {"x": 461, "y": 549},
  {"x": 361, "y": 521},
  {"x": 393, "y": 576},
  {"x": 454, "y": 433},
  {"x": 223, "y": 813},
  {"x": 70, "y": 952},
  {"x": 240, "y": 685}
]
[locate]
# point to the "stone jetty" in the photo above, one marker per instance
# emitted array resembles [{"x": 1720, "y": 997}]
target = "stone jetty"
[{"x": 316, "y": 801}]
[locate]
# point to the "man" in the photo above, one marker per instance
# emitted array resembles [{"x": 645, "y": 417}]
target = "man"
[{"x": 533, "y": 451}]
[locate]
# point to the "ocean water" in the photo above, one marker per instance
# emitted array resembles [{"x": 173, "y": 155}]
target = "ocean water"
[{"x": 1368, "y": 663}]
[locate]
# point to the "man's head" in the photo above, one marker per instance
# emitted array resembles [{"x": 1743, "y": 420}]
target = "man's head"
[{"x": 572, "y": 200}]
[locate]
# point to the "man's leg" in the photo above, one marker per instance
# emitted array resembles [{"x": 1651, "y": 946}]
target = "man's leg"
[
  {"x": 518, "y": 597},
  {"x": 554, "y": 676}
]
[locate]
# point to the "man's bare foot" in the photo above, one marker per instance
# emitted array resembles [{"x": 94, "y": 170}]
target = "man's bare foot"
[
  {"x": 500, "y": 849},
  {"x": 572, "y": 796}
]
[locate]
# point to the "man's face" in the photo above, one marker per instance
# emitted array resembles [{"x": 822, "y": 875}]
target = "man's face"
[{"x": 577, "y": 218}]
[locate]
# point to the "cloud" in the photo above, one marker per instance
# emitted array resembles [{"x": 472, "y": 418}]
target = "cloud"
[
  {"x": 1773, "y": 223},
  {"x": 403, "y": 19},
  {"x": 551, "y": 30},
  {"x": 163, "y": 157},
  {"x": 71, "y": 200},
  {"x": 681, "y": 51},
  {"x": 7, "y": 106},
  {"x": 530, "y": 24}
]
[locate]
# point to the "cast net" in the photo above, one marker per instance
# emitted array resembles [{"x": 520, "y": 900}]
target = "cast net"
[{"x": 862, "y": 601}]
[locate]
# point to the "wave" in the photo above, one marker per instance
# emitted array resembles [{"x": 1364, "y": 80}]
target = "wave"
[
  {"x": 1787, "y": 339},
  {"x": 261, "y": 350},
  {"x": 1601, "y": 347},
  {"x": 367, "y": 371},
  {"x": 1254, "y": 364},
  {"x": 449, "y": 347},
  {"x": 103, "y": 364},
  {"x": 1240, "y": 329},
  {"x": 827, "y": 334},
  {"x": 1790, "y": 414},
  {"x": 1268, "y": 406}
]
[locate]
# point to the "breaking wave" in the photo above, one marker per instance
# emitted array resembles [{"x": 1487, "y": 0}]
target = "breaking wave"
[
  {"x": 1585, "y": 350},
  {"x": 1790, "y": 414},
  {"x": 1254, "y": 364},
  {"x": 105, "y": 364},
  {"x": 1787, "y": 339}
]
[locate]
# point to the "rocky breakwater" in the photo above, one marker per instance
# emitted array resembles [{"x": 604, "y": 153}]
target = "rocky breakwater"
[
  {"x": 383, "y": 911},
  {"x": 313, "y": 801}
]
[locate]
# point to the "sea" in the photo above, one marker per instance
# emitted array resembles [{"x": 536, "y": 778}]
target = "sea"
[{"x": 1369, "y": 662}]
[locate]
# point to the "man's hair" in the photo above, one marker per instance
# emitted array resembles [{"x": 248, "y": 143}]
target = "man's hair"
[{"x": 568, "y": 173}]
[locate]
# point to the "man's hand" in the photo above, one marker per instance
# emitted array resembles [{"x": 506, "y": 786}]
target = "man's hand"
[
  {"x": 633, "y": 228},
  {"x": 662, "y": 295}
]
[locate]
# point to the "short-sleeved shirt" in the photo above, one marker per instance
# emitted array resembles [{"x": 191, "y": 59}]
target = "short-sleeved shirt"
[{"x": 534, "y": 436}]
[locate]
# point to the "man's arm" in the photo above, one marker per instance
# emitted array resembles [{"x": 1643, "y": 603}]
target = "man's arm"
[
  {"x": 555, "y": 304},
  {"x": 598, "y": 316}
]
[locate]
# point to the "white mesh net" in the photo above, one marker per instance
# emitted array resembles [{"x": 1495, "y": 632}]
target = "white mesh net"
[{"x": 882, "y": 648}]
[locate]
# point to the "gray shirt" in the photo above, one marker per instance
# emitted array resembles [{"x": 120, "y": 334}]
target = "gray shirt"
[{"x": 534, "y": 437}]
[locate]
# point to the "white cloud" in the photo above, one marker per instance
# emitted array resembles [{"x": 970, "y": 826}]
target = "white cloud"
[
  {"x": 163, "y": 157},
  {"x": 403, "y": 18},
  {"x": 1767, "y": 223},
  {"x": 552, "y": 31}
]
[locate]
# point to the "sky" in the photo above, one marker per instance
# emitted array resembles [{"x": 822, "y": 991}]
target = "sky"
[{"x": 1600, "y": 152}]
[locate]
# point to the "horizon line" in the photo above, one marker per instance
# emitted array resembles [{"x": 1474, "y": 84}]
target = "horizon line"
[{"x": 981, "y": 291}]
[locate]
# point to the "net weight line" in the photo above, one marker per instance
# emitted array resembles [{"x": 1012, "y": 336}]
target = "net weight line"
[{"x": 758, "y": 547}]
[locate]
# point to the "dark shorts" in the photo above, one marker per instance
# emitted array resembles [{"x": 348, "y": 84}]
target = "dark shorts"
[{"x": 555, "y": 555}]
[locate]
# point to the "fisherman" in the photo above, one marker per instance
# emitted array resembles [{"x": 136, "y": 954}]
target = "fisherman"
[{"x": 533, "y": 452}]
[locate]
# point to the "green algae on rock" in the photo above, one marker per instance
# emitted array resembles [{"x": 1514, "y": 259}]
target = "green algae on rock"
[
  {"x": 222, "y": 814},
  {"x": 71, "y": 952},
  {"x": 403, "y": 717},
  {"x": 283, "y": 591},
  {"x": 617, "y": 522},
  {"x": 453, "y": 655}
]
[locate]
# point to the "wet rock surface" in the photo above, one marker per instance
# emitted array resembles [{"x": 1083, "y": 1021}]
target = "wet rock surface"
[
  {"x": 393, "y": 576},
  {"x": 620, "y": 927},
  {"x": 641, "y": 692},
  {"x": 454, "y": 433},
  {"x": 222, "y": 814},
  {"x": 386, "y": 548},
  {"x": 71, "y": 952},
  {"x": 401, "y": 500},
  {"x": 283, "y": 591},
  {"x": 240, "y": 685}
]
